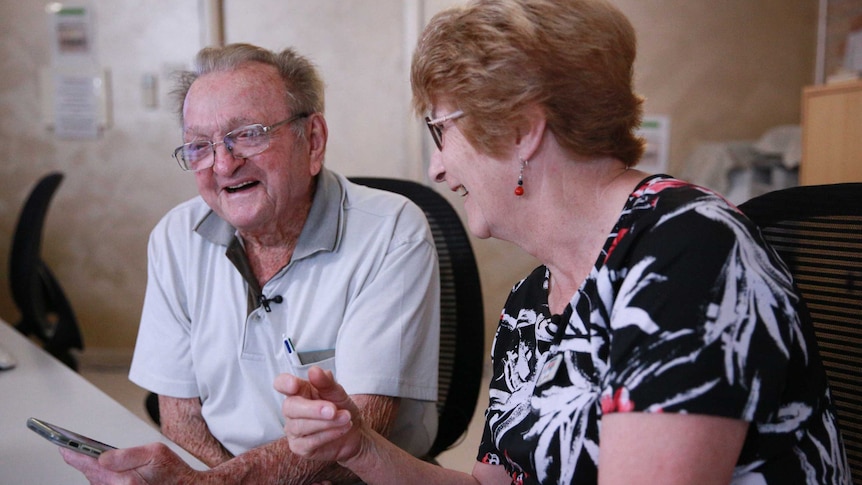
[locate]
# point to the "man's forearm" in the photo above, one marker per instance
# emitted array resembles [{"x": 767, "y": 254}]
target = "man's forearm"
[
  {"x": 202, "y": 445},
  {"x": 275, "y": 464},
  {"x": 183, "y": 424}
]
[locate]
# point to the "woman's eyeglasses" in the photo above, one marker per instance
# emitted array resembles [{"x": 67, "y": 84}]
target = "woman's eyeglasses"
[{"x": 435, "y": 126}]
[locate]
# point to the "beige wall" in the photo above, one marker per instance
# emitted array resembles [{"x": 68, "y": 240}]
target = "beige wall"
[
  {"x": 721, "y": 70},
  {"x": 115, "y": 188}
]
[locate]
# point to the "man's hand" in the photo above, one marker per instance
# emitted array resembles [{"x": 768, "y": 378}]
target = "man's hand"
[
  {"x": 321, "y": 421},
  {"x": 154, "y": 463}
]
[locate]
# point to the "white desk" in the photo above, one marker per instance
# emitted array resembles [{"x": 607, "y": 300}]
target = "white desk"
[{"x": 42, "y": 387}]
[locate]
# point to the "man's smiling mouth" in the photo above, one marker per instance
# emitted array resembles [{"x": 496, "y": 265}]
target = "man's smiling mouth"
[{"x": 240, "y": 187}]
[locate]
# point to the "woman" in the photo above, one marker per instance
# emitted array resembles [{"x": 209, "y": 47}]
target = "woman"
[{"x": 659, "y": 342}]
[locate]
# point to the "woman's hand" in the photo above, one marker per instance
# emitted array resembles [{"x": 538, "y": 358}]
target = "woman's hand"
[{"x": 321, "y": 421}]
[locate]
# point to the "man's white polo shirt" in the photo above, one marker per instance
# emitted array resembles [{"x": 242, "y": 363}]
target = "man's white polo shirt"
[{"x": 360, "y": 296}]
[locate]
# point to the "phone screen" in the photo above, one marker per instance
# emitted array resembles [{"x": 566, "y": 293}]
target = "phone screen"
[{"x": 68, "y": 439}]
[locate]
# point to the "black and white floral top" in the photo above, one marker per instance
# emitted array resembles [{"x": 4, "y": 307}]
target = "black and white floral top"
[{"x": 685, "y": 311}]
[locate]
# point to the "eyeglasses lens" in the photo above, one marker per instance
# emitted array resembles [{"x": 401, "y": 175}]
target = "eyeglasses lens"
[{"x": 248, "y": 141}]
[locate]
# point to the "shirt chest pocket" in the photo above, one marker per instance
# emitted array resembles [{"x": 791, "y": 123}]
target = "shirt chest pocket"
[{"x": 300, "y": 361}]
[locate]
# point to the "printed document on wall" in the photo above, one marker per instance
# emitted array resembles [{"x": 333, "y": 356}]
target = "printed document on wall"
[{"x": 655, "y": 130}]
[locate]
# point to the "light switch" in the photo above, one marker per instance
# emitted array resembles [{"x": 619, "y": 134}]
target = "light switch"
[{"x": 150, "y": 91}]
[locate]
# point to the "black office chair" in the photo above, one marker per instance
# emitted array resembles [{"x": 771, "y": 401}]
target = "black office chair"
[
  {"x": 45, "y": 312},
  {"x": 462, "y": 345},
  {"x": 817, "y": 230}
]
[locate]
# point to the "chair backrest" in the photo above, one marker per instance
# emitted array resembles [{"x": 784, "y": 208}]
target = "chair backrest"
[
  {"x": 45, "y": 310},
  {"x": 817, "y": 231},
  {"x": 462, "y": 345}
]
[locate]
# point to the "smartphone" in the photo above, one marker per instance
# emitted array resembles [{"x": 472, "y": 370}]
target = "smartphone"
[{"x": 68, "y": 439}]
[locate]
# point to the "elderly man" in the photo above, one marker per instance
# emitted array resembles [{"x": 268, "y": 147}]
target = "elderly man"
[{"x": 279, "y": 265}]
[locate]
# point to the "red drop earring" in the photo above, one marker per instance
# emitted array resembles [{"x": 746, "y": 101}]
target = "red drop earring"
[{"x": 519, "y": 190}]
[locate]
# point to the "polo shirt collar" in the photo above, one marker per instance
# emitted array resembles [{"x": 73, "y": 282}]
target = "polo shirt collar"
[{"x": 322, "y": 229}]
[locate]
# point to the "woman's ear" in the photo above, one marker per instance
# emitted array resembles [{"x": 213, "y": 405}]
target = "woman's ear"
[{"x": 531, "y": 131}]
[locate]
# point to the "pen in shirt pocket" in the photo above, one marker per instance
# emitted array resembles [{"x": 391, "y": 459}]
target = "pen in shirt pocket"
[{"x": 292, "y": 354}]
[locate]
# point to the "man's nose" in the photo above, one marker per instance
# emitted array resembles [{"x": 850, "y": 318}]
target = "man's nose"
[{"x": 224, "y": 162}]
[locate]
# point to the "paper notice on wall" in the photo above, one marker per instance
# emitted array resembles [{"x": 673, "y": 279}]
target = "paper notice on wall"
[
  {"x": 655, "y": 130},
  {"x": 72, "y": 34},
  {"x": 853, "y": 52},
  {"x": 76, "y": 106}
]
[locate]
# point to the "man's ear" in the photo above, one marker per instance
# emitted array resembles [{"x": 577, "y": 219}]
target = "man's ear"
[
  {"x": 316, "y": 136},
  {"x": 531, "y": 130}
]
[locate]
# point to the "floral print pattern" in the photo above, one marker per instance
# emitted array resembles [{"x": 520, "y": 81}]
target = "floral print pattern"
[{"x": 685, "y": 311}]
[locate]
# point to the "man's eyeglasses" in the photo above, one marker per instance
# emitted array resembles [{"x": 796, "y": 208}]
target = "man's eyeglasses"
[
  {"x": 242, "y": 142},
  {"x": 435, "y": 126}
]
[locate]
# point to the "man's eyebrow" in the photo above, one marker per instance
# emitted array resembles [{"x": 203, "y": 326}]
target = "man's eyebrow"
[{"x": 205, "y": 131}]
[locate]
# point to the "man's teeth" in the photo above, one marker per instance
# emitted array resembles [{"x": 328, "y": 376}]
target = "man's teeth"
[
  {"x": 239, "y": 186},
  {"x": 462, "y": 191}
]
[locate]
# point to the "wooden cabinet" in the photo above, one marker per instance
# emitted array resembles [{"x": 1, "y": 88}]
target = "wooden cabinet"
[{"x": 831, "y": 134}]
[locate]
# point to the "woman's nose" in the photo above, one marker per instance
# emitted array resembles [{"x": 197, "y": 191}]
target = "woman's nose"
[{"x": 436, "y": 172}]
